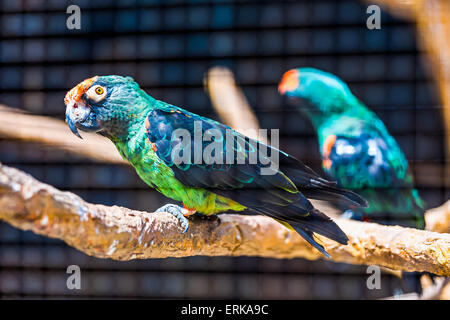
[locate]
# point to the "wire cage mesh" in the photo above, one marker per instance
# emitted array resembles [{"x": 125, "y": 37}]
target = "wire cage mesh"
[{"x": 167, "y": 46}]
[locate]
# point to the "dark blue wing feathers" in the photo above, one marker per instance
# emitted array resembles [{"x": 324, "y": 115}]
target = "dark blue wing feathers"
[
  {"x": 280, "y": 196},
  {"x": 366, "y": 159}
]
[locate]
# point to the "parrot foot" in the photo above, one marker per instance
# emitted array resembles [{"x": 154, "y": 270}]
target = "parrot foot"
[{"x": 178, "y": 212}]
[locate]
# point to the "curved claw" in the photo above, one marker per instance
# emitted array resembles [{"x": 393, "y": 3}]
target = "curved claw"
[{"x": 178, "y": 212}]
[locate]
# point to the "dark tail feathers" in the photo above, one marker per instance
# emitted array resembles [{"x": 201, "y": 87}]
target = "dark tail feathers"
[
  {"x": 319, "y": 223},
  {"x": 337, "y": 196},
  {"x": 313, "y": 186}
]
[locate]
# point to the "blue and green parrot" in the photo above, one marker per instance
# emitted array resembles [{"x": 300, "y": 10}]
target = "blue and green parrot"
[
  {"x": 356, "y": 148},
  {"x": 146, "y": 132},
  {"x": 358, "y": 152}
]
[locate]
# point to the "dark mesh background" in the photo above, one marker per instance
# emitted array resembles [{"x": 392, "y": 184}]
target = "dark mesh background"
[{"x": 167, "y": 46}]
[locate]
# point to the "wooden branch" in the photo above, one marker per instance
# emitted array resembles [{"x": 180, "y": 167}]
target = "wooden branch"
[
  {"x": 230, "y": 103},
  {"x": 18, "y": 125},
  {"x": 124, "y": 234}
]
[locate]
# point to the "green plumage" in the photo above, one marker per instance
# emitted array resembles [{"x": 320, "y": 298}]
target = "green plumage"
[
  {"x": 157, "y": 174},
  {"x": 124, "y": 121}
]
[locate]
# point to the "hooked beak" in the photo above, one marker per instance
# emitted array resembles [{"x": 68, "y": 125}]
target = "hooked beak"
[{"x": 76, "y": 114}]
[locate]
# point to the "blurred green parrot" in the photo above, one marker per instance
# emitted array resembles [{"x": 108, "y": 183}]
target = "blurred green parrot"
[
  {"x": 357, "y": 150},
  {"x": 148, "y": 133}
]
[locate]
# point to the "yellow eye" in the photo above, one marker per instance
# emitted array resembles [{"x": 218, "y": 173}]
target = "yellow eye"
[
  {"x": 99, "y": 90},
  {"x": 96, "y": 93}
]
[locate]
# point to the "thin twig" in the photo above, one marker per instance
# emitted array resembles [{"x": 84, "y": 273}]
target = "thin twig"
[
  {"x": 46, "y": 130},
  {"x": 230, "y": 103}
]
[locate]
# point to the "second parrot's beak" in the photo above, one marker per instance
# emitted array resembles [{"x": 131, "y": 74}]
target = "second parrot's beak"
[
  {"x": 80, "y": 116},
  {"x": 76, "y": 113}
]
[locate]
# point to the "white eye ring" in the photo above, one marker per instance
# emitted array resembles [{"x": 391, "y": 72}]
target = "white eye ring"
[{"x": 96, "y": 93}]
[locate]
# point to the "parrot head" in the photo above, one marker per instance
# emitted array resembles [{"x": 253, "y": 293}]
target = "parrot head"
[
  {"x": 319, "y": 94},
  {"x": 103, "y": 104}
]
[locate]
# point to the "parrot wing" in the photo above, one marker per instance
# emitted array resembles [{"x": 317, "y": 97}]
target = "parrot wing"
[
  {"x": 367, "y": 163},
  {"x": 364, "y": 161},
  {"x": 227, "y": 178},
  {"x": 281, "y": 184},
  {"x": 171, "y": 129},
  {"x": 287, "y": 182}
]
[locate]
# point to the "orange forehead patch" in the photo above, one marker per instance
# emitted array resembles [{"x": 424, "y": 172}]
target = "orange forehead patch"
[
  {"x": 328, "y": 145},
  {"x": 326, "y": 151},
  {"x": 289, "y": 81},
  {"x": 76, "y": 92}
]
